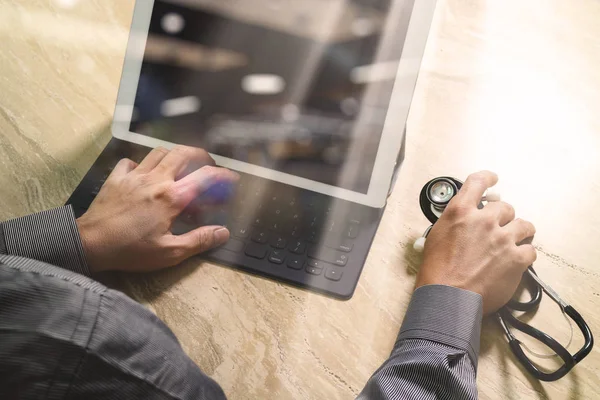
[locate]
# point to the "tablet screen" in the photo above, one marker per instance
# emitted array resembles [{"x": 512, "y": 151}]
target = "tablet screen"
[{"x": 297, "y": 86}]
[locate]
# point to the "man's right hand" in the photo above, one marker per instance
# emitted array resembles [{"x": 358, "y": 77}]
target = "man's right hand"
[{"x": 478, "y": 249}]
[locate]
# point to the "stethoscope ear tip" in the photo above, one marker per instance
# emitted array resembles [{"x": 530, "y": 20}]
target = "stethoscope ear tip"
[
  {"x": 419, "y": 245},
  {"x": 492, "y": 194}
]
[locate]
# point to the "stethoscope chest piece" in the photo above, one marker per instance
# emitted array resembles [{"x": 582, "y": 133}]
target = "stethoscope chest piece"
[{"x": 436, "y": 195}]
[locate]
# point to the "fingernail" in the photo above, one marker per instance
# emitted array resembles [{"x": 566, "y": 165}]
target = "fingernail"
[{"x": 221, "y": 235}]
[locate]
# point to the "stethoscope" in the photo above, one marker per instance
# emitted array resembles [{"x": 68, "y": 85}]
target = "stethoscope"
[{"x": 434, "y": 198}]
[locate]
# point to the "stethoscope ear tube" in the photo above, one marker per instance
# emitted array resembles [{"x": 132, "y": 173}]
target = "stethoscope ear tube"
[
  {"x": 534, "y": 290},
  {"x": 515, "y": 345},
  {"x": 585, "y": 330},
  {"x": 506, "y": 318}
]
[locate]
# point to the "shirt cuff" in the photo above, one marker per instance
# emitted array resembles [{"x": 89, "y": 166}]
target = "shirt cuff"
[
  {"x": 446, "y": 315},
  {"x": 49, "y": 236},
  {"x": 3, "y": 249}
]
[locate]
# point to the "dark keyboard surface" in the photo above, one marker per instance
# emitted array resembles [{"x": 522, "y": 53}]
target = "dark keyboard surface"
[{"x": 283, "y": 232}]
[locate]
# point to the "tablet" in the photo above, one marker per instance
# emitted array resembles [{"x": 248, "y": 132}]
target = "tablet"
[{"x": 311, "y": 93}]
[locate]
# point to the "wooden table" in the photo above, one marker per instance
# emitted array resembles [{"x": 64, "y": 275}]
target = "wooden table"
[{"x": 512, "y": 86}]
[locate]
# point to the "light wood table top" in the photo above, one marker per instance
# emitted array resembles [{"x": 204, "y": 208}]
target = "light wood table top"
[{"x": 512, "y": 86}]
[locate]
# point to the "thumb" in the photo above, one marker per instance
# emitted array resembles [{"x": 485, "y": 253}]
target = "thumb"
[{"x": 200, "y": 240}]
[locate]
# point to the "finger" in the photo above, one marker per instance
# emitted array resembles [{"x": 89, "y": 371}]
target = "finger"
[
  {"x": 526, "y": 255},
  {"x": 122, "y": 168},
  {"x": 475, "y": 186},
  {"x": 503, "y": 212},
  {"x": 200, "y": 181},
  {"x": 174, "y": 163},
  {"x": 152, "y": 159},
  {"x": 520, "y": 229},
  {"x": 197, "y": 241}
]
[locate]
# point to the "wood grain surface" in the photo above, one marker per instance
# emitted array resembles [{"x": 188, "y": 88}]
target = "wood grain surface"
[{"x": 512, "y": 86}]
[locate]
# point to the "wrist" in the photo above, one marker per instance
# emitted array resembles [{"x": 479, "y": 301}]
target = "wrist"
[
  {"x": 430, "y": 276},
  {"x": 90, "y": 243},
  {"x": 427, "y": 279}
]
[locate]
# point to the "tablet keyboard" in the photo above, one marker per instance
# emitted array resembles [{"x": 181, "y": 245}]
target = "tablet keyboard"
[
  {"x": 279, "y": 231},
  {"x": 283, "y": 225}
]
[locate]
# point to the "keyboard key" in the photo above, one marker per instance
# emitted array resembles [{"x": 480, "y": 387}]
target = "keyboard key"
[
  {"x": 331, "y": 226},
  {"x": 234, "y": 245},
  {"x": 256, "y": 250},
  {"x": 345, "y": 246},
  {"x": 297, "y": 247},
  {"x": 352, "y": 230},
  {"x": 313, "y": 270},
  {"x": 313, "y": 237},
  {"x": 240, "y": 231},
  {"x": 256, "y": 194},
  {"x": 338, "y": 244},
  {"x": 276, "y": 226},
  {"x": 328, "y": 255},
  {"x": 333, "y": 274},
  {"x": 278, "y": 242},
  {"x": 313, "y": 223},
  {"x": 258, "y": 221},
  {"x": 314, "y": 264},
  {"x": 295, "y": 231},
  {"x": 274, "y": 198},
  {"x": 295, "y": 262},
  {"x": 239, "y": 213},
  {"x": 277, "y": 256},
  {"x": 242, "y": 185},
  {"x": 296, "y": 218},
  {"x": 260, "y": 237}
]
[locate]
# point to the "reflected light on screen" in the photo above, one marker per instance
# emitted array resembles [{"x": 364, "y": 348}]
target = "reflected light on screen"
[
  {"x": 263, "y": 84},
  {"x": 374, "y": 72},
  {"x": 363, "y": 27},
  {"x": 172, "y": 23},
  {"x": 290, "y": 112},
  {"x": 180, "y": 106}
]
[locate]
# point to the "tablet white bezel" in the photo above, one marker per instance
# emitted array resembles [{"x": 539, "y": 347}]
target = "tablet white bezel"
[{"x": 393, "y": 130}]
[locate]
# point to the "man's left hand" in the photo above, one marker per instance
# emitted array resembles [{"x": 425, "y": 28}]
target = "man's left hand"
[{"x": 128, "y": 226}]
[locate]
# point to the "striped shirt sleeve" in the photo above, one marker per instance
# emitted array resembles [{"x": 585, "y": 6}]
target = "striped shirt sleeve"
[
  {"x": 435, "y": 356},
  {"x": 66, "y": 336},
  {"x": 49, "y": 236}
]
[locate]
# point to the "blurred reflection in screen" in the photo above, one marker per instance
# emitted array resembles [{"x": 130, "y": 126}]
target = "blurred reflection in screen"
[{"x": 298, "y": 86}]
